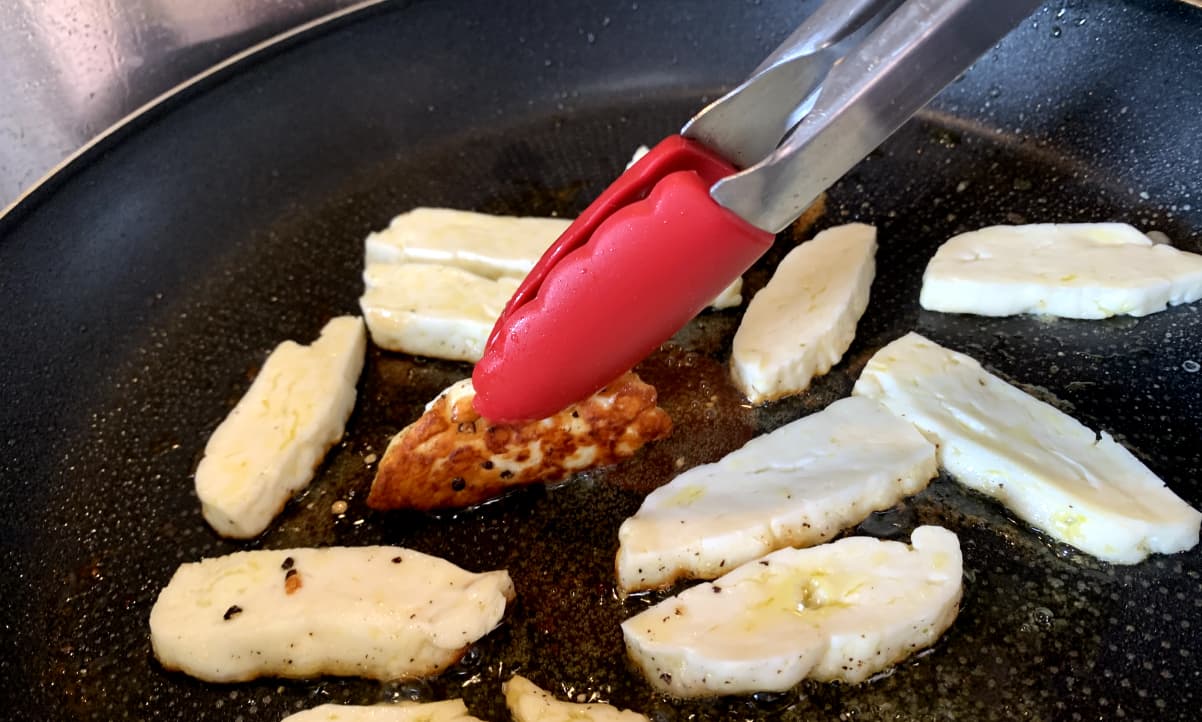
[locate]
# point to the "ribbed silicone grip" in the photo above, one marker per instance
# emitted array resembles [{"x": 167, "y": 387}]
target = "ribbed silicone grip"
[{"x": 600, "y": 307}]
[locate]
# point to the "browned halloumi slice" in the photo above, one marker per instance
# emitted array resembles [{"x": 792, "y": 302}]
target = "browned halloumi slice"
[{"x": 453, "y": 457}]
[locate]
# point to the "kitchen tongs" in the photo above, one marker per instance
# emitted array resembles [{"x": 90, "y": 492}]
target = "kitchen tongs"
[{"x": 698, "y": 210}]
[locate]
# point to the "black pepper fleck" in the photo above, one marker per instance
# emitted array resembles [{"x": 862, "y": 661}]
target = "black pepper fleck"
[
  {"x": 396, "y": 560},
  {"x": 232, "y": 612},
  {"x": 288, "y": 562},
  {"x": 291, "y": 573},
  {"x": 487, "y": 464},
  {"x": 458, "y": 484}
]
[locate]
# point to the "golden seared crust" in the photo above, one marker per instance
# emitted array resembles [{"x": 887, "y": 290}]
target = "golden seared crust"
[{"x": 453, "y": 457}]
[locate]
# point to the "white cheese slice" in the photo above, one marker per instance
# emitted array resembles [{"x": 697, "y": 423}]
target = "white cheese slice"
[
  {"x": 270, "y": 445},
  {"x": 1082, "y": 488},
  {"x": 638, "y": 154},
  {"x": 377, "y": 612},
  {"x": 730, "y": 296},
  {"x": 452, "y": 710},
  {"x": 802, "y": 322},
  {"x": 1074, "y": 270},
  {"x": 799, "y": 485},
  {"x": 528, "y": 703},
  {"x": 430, "y": 310},
  {"x": 487, "y": 245},
  {"x": 841, "y": 611}
]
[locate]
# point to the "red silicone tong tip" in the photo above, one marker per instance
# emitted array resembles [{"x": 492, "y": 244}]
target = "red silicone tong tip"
[{"x": 636, "y": 266}]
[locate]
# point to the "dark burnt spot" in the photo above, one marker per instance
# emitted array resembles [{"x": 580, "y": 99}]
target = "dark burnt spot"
[
  {"x": 507, "y": 474},
  {"x": 458, "y": 484},
  {"x": 486, "y": 464}
]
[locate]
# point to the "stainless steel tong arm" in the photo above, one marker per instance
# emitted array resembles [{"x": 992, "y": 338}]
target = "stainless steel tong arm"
[{"x": 841, "y": 84}]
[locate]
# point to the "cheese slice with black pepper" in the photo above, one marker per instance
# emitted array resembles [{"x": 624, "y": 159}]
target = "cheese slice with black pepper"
[
  {"x": 377, "y": 612},
  {"x": 452, "y": 710},
  {"x": 527, "y": 702},
  {"x": 799, "y": 485},
  {"x": 270, "y": 445},
  {"x": 841, "y": 611}
]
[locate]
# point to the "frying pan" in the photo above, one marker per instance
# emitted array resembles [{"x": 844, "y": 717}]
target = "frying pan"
[{"x": 145, "y": 283}]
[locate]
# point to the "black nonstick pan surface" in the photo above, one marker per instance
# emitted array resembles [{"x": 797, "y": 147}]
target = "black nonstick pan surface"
[{"x": 145, "y": 283}]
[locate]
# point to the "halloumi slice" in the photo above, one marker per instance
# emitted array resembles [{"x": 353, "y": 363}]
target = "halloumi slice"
[
  {"x": 529, "y": 703},
  {"x": 270, "y": 445},
  {"x": 486, "y": 245},
  {"x": 453, "y": 457},
  {"x": 378, "y": 612},
  {"x": 841, "y": 611},
  {"x": 437, "y": 279},
  {"x": 1082, "y": 488},
  {"x": 431, "y": 310},
  {"x": 799, "y": 485},
  {"x": 800, "y": 324},
  {"x": 480, "y": 243},
  {"x": 451, "y": 710},
  {"x": 1073, "y": 270}
]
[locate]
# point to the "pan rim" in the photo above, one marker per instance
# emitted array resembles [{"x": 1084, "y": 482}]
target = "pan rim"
[{"x": 63, "y": 168}]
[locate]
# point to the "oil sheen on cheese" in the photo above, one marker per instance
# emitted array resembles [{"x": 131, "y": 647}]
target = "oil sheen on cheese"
[{"x": 841, "y": 611}]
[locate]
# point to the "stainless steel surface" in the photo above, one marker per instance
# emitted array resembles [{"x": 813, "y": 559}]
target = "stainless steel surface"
[
  {"x": 915, "y": 52},
  {"x": 749, "y": 122},
  {"x": 69, "y": 69}
]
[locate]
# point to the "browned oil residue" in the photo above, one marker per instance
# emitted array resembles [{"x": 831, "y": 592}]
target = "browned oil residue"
[
  {"x": 709, "y": 416},
  {"x": 800, "y": 230},
  {"x": 538, "y": 200}
]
